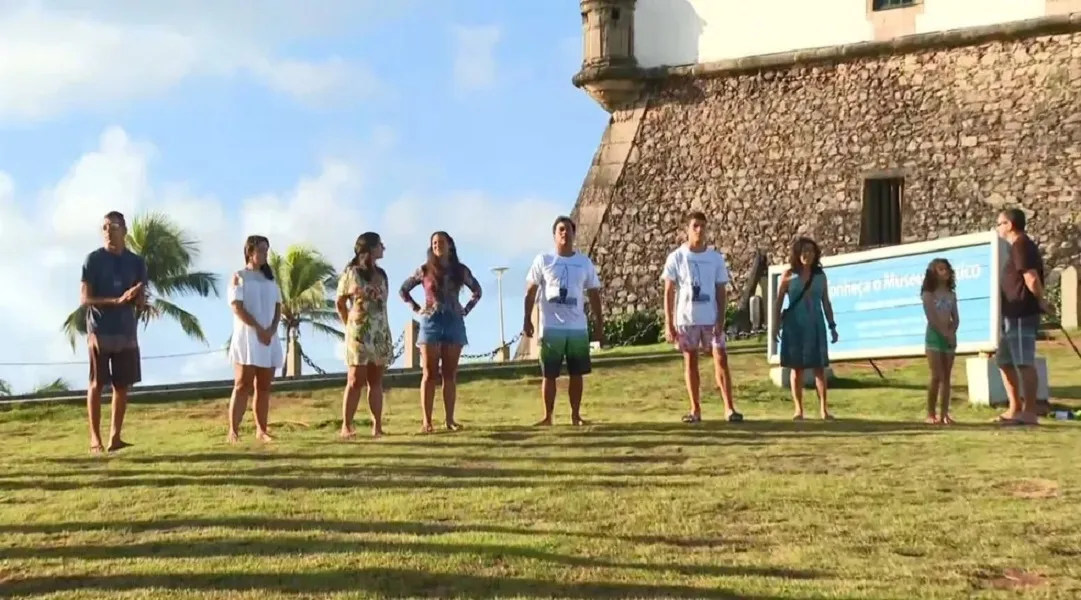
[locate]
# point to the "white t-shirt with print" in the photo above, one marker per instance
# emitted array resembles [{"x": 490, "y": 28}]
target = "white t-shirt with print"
[
  {"x": 562, "y": 283},
  {"x": 696, "y": 274}
]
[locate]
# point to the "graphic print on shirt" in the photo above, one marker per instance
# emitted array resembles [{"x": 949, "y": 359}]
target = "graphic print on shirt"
[
  {"x": 560, "y": 285},
  {"x": 694, "y": 273}
]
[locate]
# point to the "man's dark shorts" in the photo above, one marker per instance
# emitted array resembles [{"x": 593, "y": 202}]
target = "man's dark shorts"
[{"x": 119, "y": 365}]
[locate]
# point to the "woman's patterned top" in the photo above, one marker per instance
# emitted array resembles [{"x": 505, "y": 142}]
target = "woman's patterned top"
[{"x": 447, "y": 297}]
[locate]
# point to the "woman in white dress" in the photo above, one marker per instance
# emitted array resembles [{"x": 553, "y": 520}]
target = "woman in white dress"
[{"x": 255, "y": 350}]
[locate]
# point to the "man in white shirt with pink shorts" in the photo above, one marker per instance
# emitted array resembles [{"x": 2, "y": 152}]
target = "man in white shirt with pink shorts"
[{"x": 695, "y": 296}]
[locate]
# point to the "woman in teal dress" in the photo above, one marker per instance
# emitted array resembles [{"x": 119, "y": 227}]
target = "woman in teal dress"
[{"x": 803, "y": 328}]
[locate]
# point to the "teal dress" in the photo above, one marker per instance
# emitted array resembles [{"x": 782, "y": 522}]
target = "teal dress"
[{"x": 803, "y": 327}]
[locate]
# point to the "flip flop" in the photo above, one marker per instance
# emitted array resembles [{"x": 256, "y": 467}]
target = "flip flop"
[
  {"x": 735, "y": 417},
  {"x": 692, "y": 418}
]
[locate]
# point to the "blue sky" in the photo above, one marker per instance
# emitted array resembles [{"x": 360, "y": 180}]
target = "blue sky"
[{"x": 306, "y": 124}]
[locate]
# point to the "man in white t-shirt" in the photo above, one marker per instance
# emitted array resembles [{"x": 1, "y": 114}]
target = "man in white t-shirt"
[
  {"x": 695, "y": 296},
  {"x": 561, "y": 281}
]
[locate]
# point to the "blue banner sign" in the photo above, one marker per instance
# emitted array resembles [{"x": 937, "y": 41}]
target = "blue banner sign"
[{"x": 877, "y": 304}]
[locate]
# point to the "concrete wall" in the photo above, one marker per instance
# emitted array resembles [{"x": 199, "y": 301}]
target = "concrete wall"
[{"x": 683, "y": 32}]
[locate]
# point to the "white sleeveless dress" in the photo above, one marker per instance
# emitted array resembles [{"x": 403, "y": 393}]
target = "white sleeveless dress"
[{"x": 260, "y": 297}]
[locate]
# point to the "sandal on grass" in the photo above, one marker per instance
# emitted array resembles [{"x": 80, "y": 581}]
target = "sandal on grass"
[{"x": 692, "y": 418}]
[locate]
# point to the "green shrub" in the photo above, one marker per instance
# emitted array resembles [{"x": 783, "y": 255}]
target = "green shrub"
[
  {"x": 639, "y": 328},
  {"x": 1053, "y": 294}
]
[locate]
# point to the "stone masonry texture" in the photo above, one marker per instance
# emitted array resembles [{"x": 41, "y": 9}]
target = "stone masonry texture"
[{"x": 772, "y": 154}]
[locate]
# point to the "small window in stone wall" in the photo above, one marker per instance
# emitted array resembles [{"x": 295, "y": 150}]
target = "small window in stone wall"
[
  {"x": 881, "y": 222},
  {"x": 889, "y": 4}
]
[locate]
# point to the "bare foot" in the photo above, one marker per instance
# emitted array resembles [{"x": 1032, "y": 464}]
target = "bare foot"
[
  {"x": 426, "y": 428},
  {"x": 347, "y": 434},
  {"x": 118, "y": 444},
  {"x": 377, "y": 432},
  {"x": 797, "y": 417},
  {"x": 932, "y": 419},
  {"x": 233, "y": 437},
  {"x": 96, "y": 447},
  {"x": 946, "y": 420},
  {"x": 545, "y": 422},
  {"x": 453, "y": 426},
  {"x": 579, "y": 421},
  {"x": 264, "y": 437},
  {"x": 828, "y": 417}
]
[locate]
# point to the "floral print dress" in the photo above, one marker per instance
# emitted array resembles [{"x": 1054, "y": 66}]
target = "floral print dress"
[{"x": 367, "y": 332}]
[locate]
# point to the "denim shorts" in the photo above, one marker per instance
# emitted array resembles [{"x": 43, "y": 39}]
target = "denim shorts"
[{"x": 442, "y": 327}]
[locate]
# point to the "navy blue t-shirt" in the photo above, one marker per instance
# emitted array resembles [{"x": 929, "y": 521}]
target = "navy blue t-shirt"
[{"x": 109, "y": 275}]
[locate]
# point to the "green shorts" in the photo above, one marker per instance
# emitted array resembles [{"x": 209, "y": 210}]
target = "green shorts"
[
  {"x": 558, "y": 347},
  {"x": 936, "y": 342}
]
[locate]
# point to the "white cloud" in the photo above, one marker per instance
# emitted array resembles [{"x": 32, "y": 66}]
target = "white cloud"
[
  {"x": 78, "y": 55},
  {"x": 474, "y": 56},
  {"x": 327, "y": 209}
]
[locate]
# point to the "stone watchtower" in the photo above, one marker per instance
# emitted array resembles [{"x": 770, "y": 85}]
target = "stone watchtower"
[{"x": 609, "y": 71}]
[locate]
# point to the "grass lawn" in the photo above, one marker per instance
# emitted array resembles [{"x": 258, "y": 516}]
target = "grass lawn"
[{"x": 875, "y": 505}]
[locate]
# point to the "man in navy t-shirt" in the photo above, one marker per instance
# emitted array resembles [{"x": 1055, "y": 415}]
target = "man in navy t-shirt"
[{"x": 114, "y": 283}]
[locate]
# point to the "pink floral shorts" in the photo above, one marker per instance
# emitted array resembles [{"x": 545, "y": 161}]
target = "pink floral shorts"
[{"x": 698, "y": 337}]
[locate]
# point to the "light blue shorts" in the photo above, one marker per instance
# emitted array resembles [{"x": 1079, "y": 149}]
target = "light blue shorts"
[{"x": 442, "y": 327}]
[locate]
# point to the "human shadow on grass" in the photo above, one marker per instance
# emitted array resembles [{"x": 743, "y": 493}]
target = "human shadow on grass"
[
  {"x": 753, "y": 430},
  {"x": 385, "y": 582},
  {"x": 344, "y": 478},
  {"x": 416, "y": 528},
  {"x": 248, "y": 547},
  {"x": 226, "y": 458},
  {"x": 362, "y": 470}
]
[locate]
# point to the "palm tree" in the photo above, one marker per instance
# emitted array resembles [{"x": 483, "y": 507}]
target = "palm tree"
[
  {"x": 169, "y": 253},
  {"x": 306, "y": 279}
]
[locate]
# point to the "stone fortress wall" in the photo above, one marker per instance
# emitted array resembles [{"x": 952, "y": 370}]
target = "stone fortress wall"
[{"x": 958, "y": 123}]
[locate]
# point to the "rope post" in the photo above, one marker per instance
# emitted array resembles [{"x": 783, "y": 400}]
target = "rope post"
[
  {"x": 409, "y": 343},
  {"x": 1070, "y": 298}
]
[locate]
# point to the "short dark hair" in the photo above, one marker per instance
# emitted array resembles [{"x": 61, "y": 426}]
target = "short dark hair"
[
  {"x": 1016, "y": 217},
  {"x": 115, "y": 215},
  {"x": 693, "y": 216},
  {"x": 566, "y": 221}
]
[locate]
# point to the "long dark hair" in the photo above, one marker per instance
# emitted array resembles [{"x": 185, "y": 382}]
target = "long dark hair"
[
  {"x": 794, "y": 261},
  {"x": 930, "y": 279},
  {"x": 362, "y": 259},
  {"x": 250, "y": 245},
  {"x": 435, "y": 268}
]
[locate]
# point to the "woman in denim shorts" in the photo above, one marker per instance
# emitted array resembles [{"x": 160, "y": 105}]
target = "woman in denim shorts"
[{"x": 442, "y": 323}]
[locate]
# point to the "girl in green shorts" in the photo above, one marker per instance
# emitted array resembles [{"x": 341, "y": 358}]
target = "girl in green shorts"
[{"x": 940, "y": 307}]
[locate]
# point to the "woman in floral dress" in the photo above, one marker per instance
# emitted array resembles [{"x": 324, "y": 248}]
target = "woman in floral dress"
[{"x": 369, "y": 348}]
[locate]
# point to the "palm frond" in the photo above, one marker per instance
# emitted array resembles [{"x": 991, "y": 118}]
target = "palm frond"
[
  {"x": 57, "y": 385},
  {"x": 188, "y": 322},
  {"x": 200, "y": 283},
  {"x": 74, "y": 326},
  {"x": 324, "y": 329}
]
